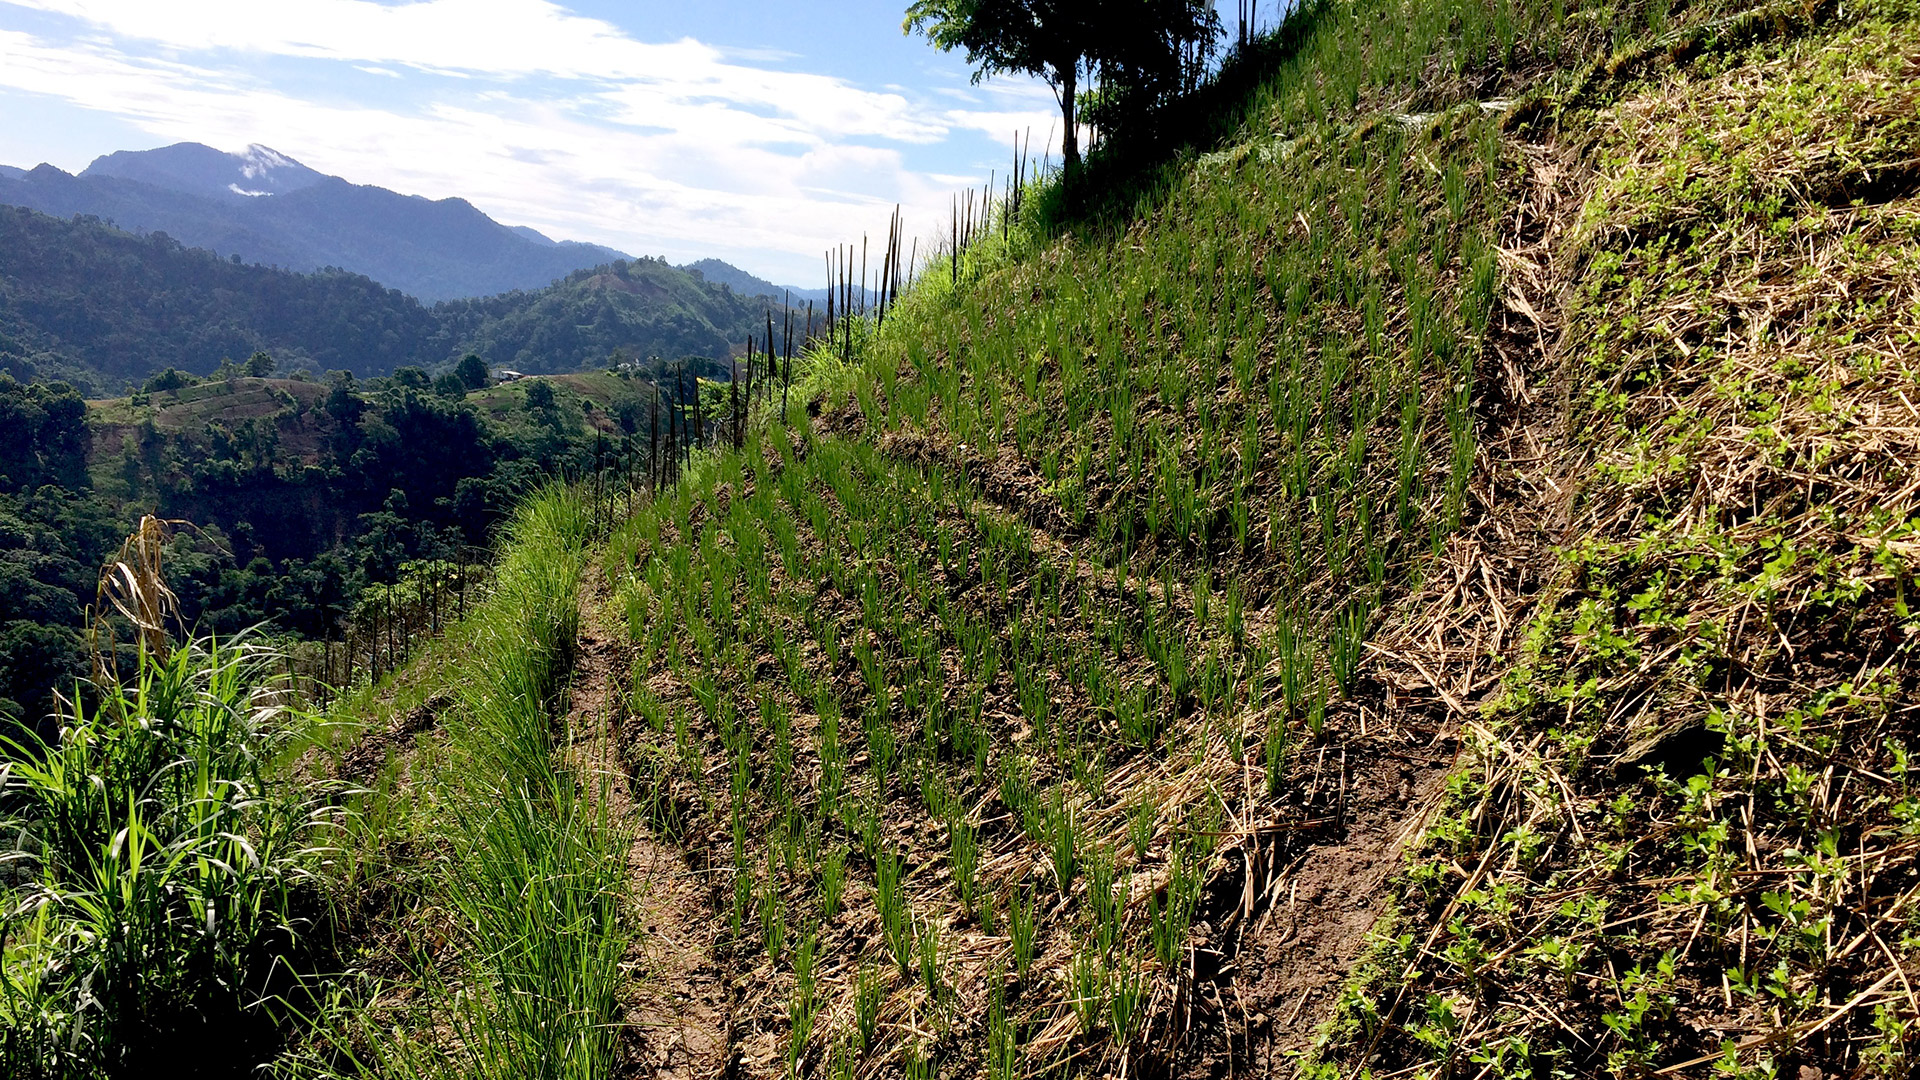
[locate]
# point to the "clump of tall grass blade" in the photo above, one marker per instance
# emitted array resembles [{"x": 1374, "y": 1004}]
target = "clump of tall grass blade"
[
  {"x": 537, "y": 877},
  {"x": 160, "y": 870}
]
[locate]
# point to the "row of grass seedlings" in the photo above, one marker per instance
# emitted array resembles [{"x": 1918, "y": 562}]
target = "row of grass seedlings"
[
  {"x": 989, "y": 371},
  {"x": 538, "y": 880},
  {"x": 1047, "y": 819},
  {"x": 1352, "y": 542},
  {"x": 1184, "y": 517},
  {"x": 999, "y": 573},
  {"x": 868, "y": 811},
  {"x": 939, "y": 729}
]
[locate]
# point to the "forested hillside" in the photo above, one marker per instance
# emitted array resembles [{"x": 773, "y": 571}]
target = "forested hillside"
[
  {"x": 102, "y": 308},
  {"x": 638, "y": 307},
  {"x": 1397, "y": 566},
  {"x": 296, "y": 498},
  {"x": 84, "y": 301}
]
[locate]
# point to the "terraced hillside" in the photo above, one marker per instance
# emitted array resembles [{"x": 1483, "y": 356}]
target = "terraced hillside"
[
  {"x": 1411, "y": 582},
  {"x": 1422, "y": 590}
]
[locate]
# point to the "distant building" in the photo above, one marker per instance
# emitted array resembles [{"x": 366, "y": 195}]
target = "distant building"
[{"x": 507, "y": 375}]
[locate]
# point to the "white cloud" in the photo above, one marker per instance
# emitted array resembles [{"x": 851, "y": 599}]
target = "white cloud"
[
  {"x": 503, "y": 39},
  {"x": 537, "y": 115}
]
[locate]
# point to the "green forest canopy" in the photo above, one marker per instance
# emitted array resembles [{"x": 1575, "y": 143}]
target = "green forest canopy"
[{"x": 300, "y": 495}]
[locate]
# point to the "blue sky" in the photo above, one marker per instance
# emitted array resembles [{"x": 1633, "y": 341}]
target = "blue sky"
[{"x": 760, "y": 133}]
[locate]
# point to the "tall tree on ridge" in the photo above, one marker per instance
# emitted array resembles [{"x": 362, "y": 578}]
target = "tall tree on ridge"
[
  {"x": 1048, "y": 39},
  {"x": 1144, "y": 52}
]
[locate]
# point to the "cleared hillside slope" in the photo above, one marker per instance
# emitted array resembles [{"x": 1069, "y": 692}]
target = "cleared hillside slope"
[
  {"x": 1681, "y": 835},
  {"x": 1422, "y": 591},
  {"x": 1415, "y": 586}
]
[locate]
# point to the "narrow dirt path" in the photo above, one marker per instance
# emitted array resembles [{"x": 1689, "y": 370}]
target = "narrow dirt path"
[{"x": 675, "y": 1016}]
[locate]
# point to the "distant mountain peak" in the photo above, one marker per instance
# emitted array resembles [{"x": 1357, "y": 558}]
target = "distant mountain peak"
[
  {"x": 258, "y": 168},
  {"x": 258, "y": 161},
  {"x": 198, "y": 169},
  {"x": 263, "y": 206}
]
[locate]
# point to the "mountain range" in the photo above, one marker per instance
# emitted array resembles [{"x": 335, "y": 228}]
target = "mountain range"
[
  {"x": 102, "y": 308},
  {"x": 722, "y": 273},
  {"x": 261, "y": 206}
]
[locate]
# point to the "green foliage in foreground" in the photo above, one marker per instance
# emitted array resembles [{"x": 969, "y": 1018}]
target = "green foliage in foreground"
[
  {"x": 541, "y": 873},
  {"x": 156, "y": 875},
  {"x": 312, "y": 502},
  {"x": 535, "y": 867}
]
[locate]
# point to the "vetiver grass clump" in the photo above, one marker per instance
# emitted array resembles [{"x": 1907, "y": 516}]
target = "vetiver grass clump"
[{"x": 533, "y": 871}]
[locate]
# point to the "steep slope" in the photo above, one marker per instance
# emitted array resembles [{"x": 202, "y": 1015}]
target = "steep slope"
[
  {"x": 1475, "y": 496},
  {"x": 1681, "y": 839},
  {"x": 1413, "y": 583}
]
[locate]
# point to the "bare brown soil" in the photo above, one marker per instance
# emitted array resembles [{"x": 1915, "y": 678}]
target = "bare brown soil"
[
  {"x": 1290, "y": 947},
  {"x": 370, "y": 753},
  {"x": 1295, "y": 913},
  {"x": 676, "y": 1014}
]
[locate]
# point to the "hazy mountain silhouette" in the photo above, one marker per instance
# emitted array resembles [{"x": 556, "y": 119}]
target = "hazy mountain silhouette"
[
  {"x": 725, "y": 273},
  {"x": 265, "y": 207}
]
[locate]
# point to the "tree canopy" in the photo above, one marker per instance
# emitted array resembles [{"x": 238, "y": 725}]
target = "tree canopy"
[
  {"x": 472, "y": 372},
  {"x": 1140, "y": 51}
]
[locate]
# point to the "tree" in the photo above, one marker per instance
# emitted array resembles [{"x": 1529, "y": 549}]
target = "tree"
[
  {"x": 260, "y": 365},
  {"x": 170, "y": 379},
  {"x": 411, "y": 378},
  {"x": 539, "y": 395},
  {"x": 343, "y": 404},
  {"x": 1142, "y": 51},
  {"x": 1048, "y": 39},
  {"x": 1146, "y": 61},
  {"x": 472, "y": 371}
]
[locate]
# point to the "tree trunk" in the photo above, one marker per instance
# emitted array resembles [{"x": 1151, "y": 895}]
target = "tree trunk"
[{"x": 1070, "y": 135}]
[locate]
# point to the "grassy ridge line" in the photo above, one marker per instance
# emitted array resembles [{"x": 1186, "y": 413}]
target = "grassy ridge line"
[{"x": 537, "y": 872}]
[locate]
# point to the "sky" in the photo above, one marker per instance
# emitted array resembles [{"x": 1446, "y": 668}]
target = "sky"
[{"x": 759, "y": 133}]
